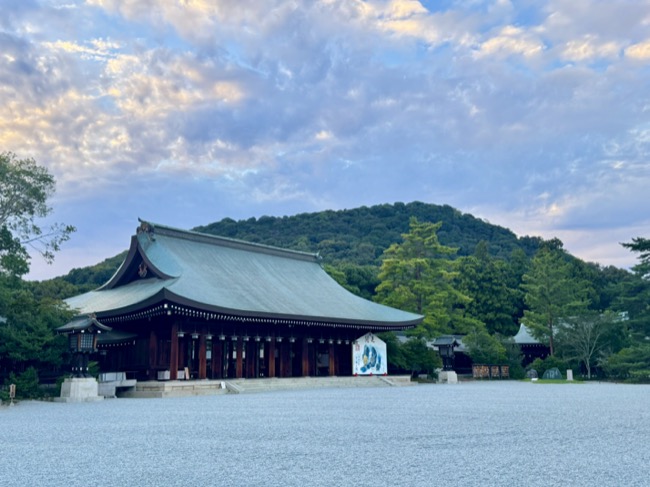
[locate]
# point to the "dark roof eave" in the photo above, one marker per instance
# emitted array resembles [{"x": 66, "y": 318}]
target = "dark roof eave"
[
  {"x": 176, "y": 299},
  {"x": 165, "y": 295},
  {"x": 82, "y": 323}
]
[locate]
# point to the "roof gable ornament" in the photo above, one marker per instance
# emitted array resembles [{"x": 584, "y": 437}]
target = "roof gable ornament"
[
  {"x": 138, "y": 264},
  {"x": 146, "y": 228}
]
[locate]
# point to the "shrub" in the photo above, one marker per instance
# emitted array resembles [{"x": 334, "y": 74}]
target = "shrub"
[
  {"x": 26, "y": 384},
  {"x": 631, "y": 364},
  {"x": 549, "y": 362}
]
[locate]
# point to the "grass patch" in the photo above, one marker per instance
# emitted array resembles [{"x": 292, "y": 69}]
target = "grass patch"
[{"x": 553, "y": 381}]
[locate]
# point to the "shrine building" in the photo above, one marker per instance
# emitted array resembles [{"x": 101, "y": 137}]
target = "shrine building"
[{"x": 190, "y": 305}]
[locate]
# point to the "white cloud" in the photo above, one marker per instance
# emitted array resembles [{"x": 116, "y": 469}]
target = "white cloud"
[
  {"x": 589, "y": 48},
  {"x": 639, "y": 51},
  {"x": 279, "y": 105},
  {"x": 512, "y": 40}
]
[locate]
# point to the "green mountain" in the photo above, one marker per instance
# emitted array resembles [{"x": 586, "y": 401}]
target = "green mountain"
[
  {"x": 350, "y": 240},
  {"x": 360, "y": 236}
]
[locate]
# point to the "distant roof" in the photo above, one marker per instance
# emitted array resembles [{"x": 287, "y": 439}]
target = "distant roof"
[
  {"x": 82, "y": 324},
  {"x": 433, "y": 344},
  {"x": 524, "y": 337},
  {"x": 446, "y": 340},
  {"x": 233, "y": 278}
]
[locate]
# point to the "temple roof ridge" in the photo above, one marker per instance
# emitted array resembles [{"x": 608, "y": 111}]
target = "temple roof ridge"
[{"x": 155, "y": 228}]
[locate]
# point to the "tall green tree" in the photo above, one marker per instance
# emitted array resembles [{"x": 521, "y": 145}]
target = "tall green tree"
[
  {"x": 417, "y": 275},
  {"x": 25, "y": 188},
  {"x": 485, "y": 281},
  {"x": 634, "y": 296},
  {"x": 27, "y": 336},
  {"x": 552, "y": 292},
  {"x": 642, "y": 246},
  {"x": 27, "y": 322}
]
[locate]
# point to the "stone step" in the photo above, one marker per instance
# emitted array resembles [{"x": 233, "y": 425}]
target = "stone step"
[{"x": 179, "y": 388}]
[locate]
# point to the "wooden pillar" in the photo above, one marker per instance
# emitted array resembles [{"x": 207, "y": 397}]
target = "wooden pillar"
[
  {"x": 202, "y": 356},
  {"x": 153, "y": 355},
  {"x": 333, "y": 359},
  {"x": 305, "y": 358},
  {"x": 285, "y": 359},
  {"x": 217, "y": 359},
  {"x": 182, "y": 353},
  {"x": 173, "y": 353},
  {"x": 240, "y": 365},
  {"x": 270, "y": 358},
  {"x": 253, "y": 359}
]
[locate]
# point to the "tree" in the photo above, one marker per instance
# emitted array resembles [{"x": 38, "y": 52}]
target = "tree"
[
  {"x": 25, "y": 188},
  {"x": 417, "y": 276},
  {"x": 360, "y": 280},
  {"x": 485, "y": 280},
  {"x": 630, "y": 364},
  {"x": 635, "y": 295},
  {"x": 27, "y": 336},
  {"x": 551, "y": 293},
  {"x": 413, "y": 355},
  {"x": 585, "y": 336},
  {"x": 27, "y": 323},
  {"x": 484, "y": 348},
  {"x": 642, "y": 246}
]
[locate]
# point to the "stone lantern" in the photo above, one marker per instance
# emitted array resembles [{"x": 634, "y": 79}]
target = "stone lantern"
[
  {"x": 445, "y": 345},
  {"x": 82, "y": 339}
]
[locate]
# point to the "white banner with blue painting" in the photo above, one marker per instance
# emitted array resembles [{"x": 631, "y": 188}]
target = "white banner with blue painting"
[{"x": 369, "y": 356}]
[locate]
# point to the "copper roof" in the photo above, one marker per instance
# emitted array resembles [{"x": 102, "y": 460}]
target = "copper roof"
[{"x": 231, "y": 277}]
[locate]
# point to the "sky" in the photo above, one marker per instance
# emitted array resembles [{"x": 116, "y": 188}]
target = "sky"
[{"x": 533, "y": 115}]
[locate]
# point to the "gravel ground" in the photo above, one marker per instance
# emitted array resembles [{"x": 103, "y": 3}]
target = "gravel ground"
[{"x": 474, "y": 433}]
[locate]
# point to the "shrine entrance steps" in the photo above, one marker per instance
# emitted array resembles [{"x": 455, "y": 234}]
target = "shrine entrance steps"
[{"x": 181, "y": 388}]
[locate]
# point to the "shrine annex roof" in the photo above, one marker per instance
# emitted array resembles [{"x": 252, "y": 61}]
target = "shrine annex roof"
[{"x": 231, "y": 277}]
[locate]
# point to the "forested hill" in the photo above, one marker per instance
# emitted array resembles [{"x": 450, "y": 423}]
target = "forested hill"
[
  {"x": 360, "y": 236},
  {"x": 357, "y": 236}
]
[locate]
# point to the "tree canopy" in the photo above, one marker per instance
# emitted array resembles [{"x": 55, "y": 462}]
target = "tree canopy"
[
  {"x": 551, "y": 293},
  {"x": 417, "y": 275},
  {"x": 27, "y": 318},
  {"x": 25, "y": 188},
  {"x": 642, "y": 246}
]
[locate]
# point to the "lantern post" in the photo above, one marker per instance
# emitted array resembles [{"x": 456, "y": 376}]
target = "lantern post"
[{"x": 82, "y": 335}]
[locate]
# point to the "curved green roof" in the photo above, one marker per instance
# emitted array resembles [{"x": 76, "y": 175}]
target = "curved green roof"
[{"x": 231, "y": 277}]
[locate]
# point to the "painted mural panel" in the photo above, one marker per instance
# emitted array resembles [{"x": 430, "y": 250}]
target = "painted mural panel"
[{"x": 369, "y": 356}]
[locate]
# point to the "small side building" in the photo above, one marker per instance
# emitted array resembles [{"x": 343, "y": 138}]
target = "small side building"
[
  {"x": 530, "y": 347},
  {"x": 190, "y": 305}
]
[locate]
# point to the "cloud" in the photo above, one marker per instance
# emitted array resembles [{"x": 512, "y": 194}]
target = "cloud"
[
  {"x": 511, "y": 40},
  {"x": 639, "y": 51},
  {"x": 299, "y": 106}
]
